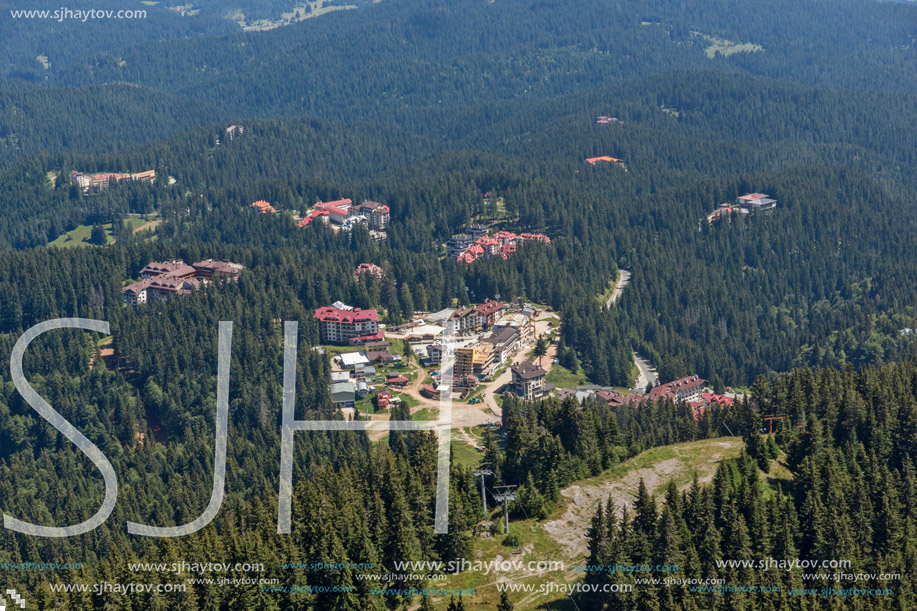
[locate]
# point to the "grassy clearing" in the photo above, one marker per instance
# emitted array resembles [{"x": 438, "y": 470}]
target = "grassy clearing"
[
  {"x": 409, "y": 401},
  {"x": 300, "y": 12},
  {"x": 564, "y": 378},
  {"x": 464, "y": 455},
  {"x": 149, "y": 226},
  {"x": 726, "y": 47},
  {"x": 336, "y": 349},
  {"x": 79, "y": 236},
  {"x": 425, "y": 414}
]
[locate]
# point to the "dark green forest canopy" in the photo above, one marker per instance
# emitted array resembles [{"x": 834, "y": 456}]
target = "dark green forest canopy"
[{"x": 824, "y": 280}]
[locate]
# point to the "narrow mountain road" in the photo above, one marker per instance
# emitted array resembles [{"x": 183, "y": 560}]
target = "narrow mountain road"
[
  {"x": 647, "y": 369},
  {"x": 648, "y": 374},
  {"x": 622, "y": 281}
]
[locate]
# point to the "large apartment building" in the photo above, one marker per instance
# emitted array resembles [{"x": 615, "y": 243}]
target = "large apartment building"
[
  {"x": 690, "y": 389},
  {"x": 505, "y": 342},
  {"x": 528, "y": 380},
  {"x": 164, "y": 280},
  {"x": 473, "y": 360},
  {"x": 347, "y": 325},
  {"x": 98, "y": 182},
  {"x": 161, "y": 288},
  {"x": 457, "y": 245},
  {"x": 523, "y": 322},
  {"x": 378, "y": 214}
]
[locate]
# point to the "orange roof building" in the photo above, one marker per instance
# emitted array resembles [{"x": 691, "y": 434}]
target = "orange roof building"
[{"x": 263, "y": 207}]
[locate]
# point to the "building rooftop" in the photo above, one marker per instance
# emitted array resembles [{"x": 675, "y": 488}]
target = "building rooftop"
[
  {"x": 218, "y": 267},
  {"x": 333, "y": 314},
  {"x": 352, "y": 359},
  {"x": 172, "y": 267},
  {"x": 501, "y": 335},
  {"x": 681, "y": 384},
  {"x": 337, "y": 387},
  {"x": 338, "y": 203},
  {"x": 528, "y": 370}
]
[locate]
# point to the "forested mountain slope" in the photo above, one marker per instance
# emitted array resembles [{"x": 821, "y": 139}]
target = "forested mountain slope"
[
  {"x": 33, "y": 47},
  {"x": 100, "y": 117},
  {"x": 821, "y": 281},
  {"x": 416, "y": 53}
]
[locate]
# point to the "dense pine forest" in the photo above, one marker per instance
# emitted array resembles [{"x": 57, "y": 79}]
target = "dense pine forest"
[{"x": 453, "y": 112}]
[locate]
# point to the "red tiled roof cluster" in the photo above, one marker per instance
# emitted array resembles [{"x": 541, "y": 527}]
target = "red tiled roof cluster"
[
  {"x": 263, "y": 207},
  {"x": 503, "y": 243},
  {"x": 489, "y": 307},
  {"x": 312, "y": 216},
  {"x": 507, "y": 249},
  {"x": 333, "y": 314},
  {"x": 172, "y": 267},
  {"x": 368, "y": 268},
  {"x": 722, "y": 400},
  {"x": 682, "y": 384}
]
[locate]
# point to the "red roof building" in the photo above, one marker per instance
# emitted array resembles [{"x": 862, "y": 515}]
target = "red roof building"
[
  {"x": 428, "y": 391},
  {"x": 312, "y": 216},
  {"x": 489, "y": 311},
  {"x": 172, "y": 267},
  {"x": 714, "y": 399},
  {"x": 684, "y": 389},
  {"x": 382, "y": 399},
  {"x": 508, "y": 249},
  {"x": 338, "y": 326},
  {"x": 368, "y": 268},
  {"x": 365, "y": 339},
  {"x": 399, "y": 381},
  {"x": 338, "y": 203},
  {"x": 263, "y": 207},
  {"x": 506, "y": 236},
  {"x": 336, "y": 214}
]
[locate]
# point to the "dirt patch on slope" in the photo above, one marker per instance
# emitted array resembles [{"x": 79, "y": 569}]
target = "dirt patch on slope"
[{"x": 569, "y": 531}]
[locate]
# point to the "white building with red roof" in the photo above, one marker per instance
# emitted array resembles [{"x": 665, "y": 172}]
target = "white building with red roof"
[
  {"x": 690, "y": 389},
  {"x": 339, "y": 326}
]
